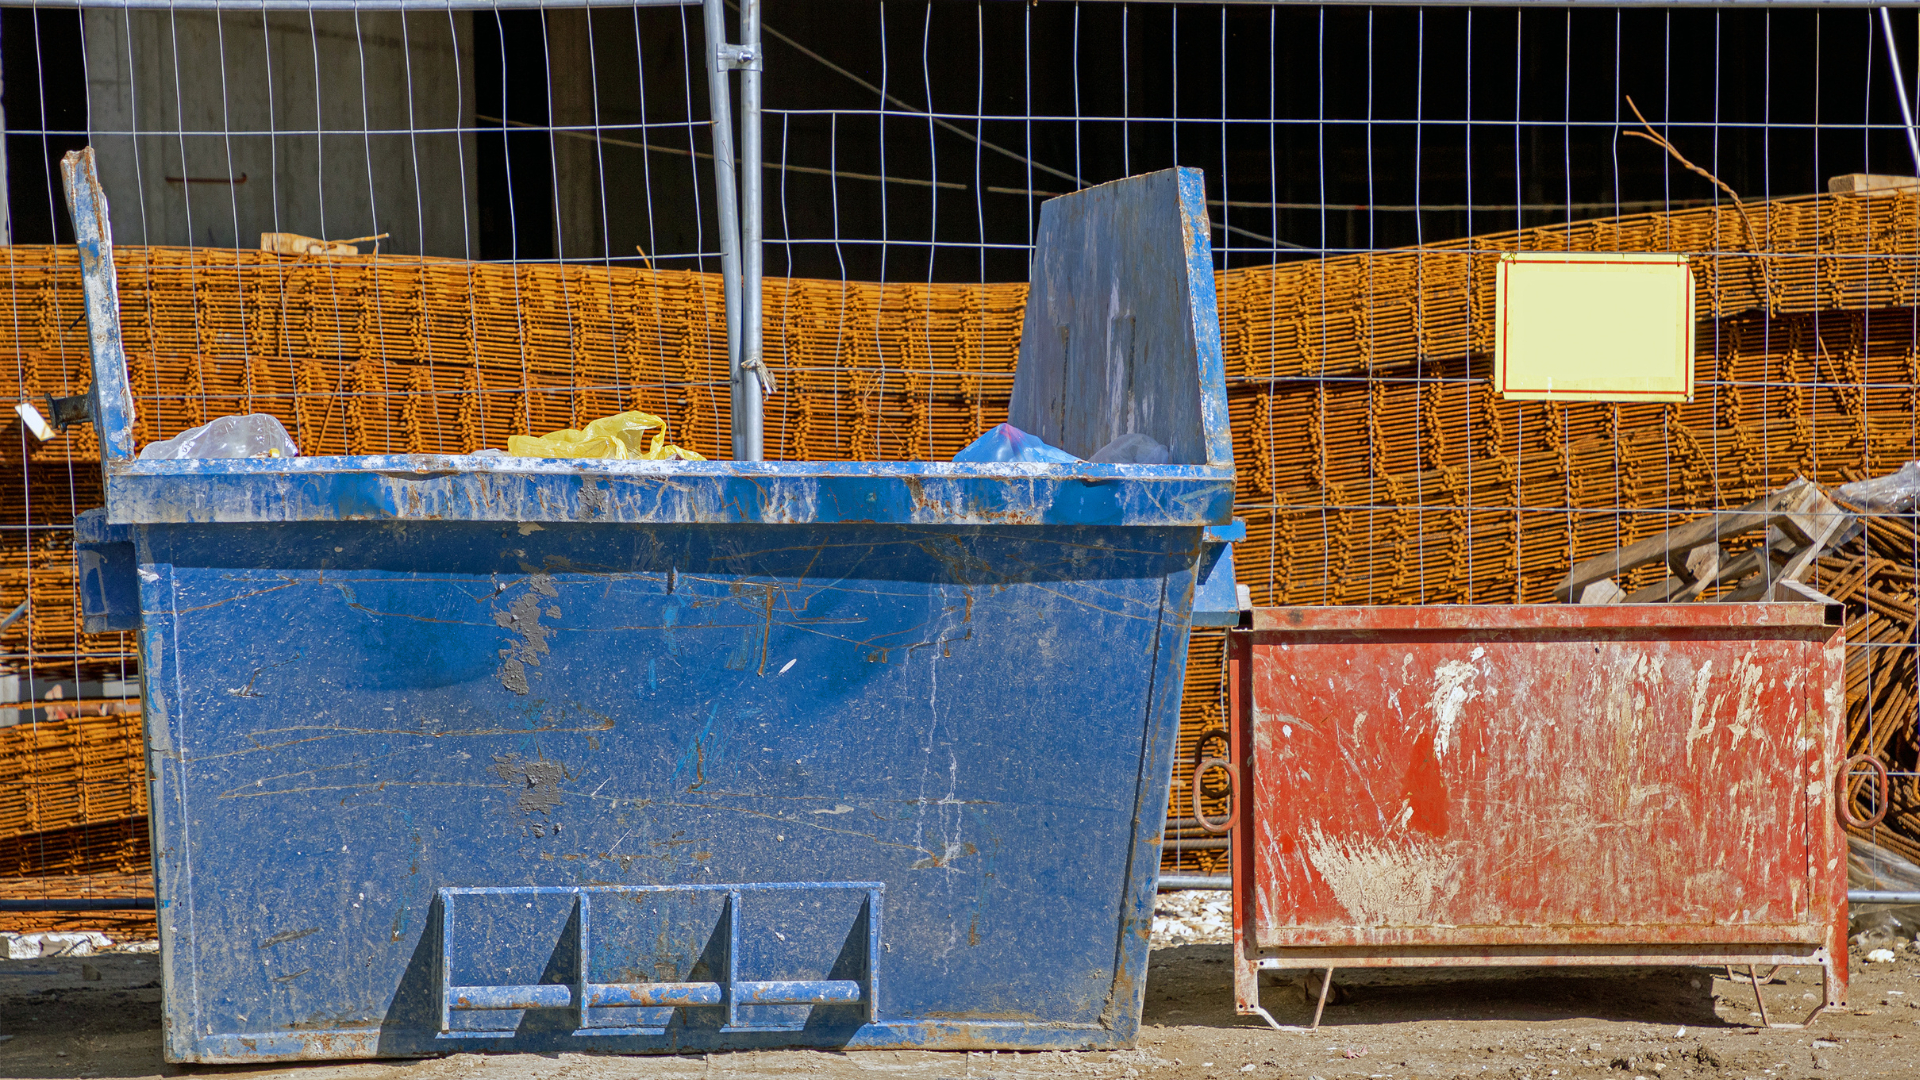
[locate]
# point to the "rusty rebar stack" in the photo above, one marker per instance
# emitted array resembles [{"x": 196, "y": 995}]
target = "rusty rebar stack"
[{"x": 1375, "y": 465}]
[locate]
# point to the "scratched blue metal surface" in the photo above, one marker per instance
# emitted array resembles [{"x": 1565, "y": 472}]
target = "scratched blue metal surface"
[
  {"x": 453, "y": 754},
  {"x": 346, "y": 718}
]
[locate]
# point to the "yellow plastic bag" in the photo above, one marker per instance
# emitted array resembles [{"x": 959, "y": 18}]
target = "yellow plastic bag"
[{"x": 622, "y": 436}]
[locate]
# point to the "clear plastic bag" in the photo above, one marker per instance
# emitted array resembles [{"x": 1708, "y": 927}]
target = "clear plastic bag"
[
  {"x": 1004, "y": 442},
  {"x": 1893, "y": 493},
  {"x": 1132, "y": 448},
  {"x": 256, "y": 435},
  {"x": 627, "y": 436}
]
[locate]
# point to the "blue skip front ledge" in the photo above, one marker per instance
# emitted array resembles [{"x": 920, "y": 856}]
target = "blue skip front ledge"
[{"x": 466, "y": 488}]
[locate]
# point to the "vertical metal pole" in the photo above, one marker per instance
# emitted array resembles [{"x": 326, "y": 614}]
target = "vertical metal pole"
[
  {"x": 1900, "y": 87},
  {"x": 720, "y": 101},
  {"x": 6, "y": 214},
  {"x": 753, "y": 379}
]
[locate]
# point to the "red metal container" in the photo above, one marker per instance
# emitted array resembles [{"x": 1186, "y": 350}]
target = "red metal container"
[{"x": 1550, "y": 784}]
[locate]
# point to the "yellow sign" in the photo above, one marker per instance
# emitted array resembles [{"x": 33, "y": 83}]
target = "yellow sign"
[{"x": 1594, "y": 326}]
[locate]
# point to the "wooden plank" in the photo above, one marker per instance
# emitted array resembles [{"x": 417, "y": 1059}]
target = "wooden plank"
[
  {"x": 1861, "y": 183},
  {"x": 1739, "y": 568},
  {"x": 1658, "y": 593},
  {"x": 1604, "y": 591},
  {"x": 1759, "y": 512}
]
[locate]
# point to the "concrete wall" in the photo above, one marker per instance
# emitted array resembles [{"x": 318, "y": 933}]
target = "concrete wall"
[
  {"x": 577, "y": 178},
  {"x": 326, "y": 115},
  {"x": 610, "y": 197}
]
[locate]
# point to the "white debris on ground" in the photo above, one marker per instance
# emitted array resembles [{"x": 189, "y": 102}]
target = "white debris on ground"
[
  {"x": 83, "y": 943},
  {"x": 1193, "y": 917}
]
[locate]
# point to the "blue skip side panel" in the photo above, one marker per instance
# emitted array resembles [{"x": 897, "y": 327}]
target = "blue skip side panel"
[{"x": 972, "y": 725}]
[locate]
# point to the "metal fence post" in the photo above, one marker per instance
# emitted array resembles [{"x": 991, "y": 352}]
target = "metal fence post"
[
  {"x": 747, "y": 376},
  {"x": 720, "y": 102},
  {"x": 755, "y": 380}
]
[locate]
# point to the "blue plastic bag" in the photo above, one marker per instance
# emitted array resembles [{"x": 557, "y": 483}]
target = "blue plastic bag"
[{"x": 1004, "y": 442}]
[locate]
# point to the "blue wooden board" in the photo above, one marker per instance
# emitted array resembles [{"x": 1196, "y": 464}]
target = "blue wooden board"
[{"x": 1121, "y": 318}]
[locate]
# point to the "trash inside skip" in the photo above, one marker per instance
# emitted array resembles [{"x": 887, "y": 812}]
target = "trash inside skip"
[
  {"x": 256, "y": 435},
  {"x": 1004, "y": 442},
  {"x": 622, "y": 437}
]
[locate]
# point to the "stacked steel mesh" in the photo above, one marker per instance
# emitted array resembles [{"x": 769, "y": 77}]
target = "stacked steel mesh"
[
  {"x": 80, "y": 770},
  {"x": 73, "y": 806},
  {"x": 1375, "y": 465},
  {"x": 1876, "y": 573}
]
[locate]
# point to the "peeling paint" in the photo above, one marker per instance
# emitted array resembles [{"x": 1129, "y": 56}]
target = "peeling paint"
[
  {"x": 1701, "y": 710},
  {"x": 536, "y": 782},
  {"x": 946, "y": 856},
  {"x": 1629, "y": 777},
  {"x": 1383, "y": 882},
  {"x": 1452, "y": 689},
  {"x": 523, "y": 618}
]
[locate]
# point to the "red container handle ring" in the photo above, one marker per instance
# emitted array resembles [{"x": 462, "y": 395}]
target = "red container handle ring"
[
  {"x": 1199, "y": 770},
  {"x": 1845, "y": 801}
]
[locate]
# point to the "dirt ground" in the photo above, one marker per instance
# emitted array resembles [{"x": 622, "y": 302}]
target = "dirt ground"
[{"x": 1612, "y": 1024}]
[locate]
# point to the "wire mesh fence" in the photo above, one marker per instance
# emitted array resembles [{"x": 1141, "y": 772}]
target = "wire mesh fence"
[{"x": 425, "y": 230}]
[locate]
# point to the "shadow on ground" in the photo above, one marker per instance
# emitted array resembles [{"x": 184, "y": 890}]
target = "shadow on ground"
[{"x": 1192, "y": 984}]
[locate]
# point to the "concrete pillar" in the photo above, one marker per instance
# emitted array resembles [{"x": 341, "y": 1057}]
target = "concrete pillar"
[
  {"x": 211, "y": 129},
  {"x": 577, "y": 159}
]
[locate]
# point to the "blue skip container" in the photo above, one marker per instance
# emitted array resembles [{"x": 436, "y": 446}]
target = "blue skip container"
[{"x": 456, "y": 754}]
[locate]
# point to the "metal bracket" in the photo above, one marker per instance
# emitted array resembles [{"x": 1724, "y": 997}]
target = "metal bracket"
[
  {"x": 109, "y": 574},
  {"x": 64, "y": 412},
  {"x": 1215, "y": 597},
  {"x": 757, "y": 367},
  {"x": 737, "y": 57}
]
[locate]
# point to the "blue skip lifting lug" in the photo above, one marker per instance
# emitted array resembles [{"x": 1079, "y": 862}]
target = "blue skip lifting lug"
[
  {"x": 514, "y": 754},
  {"x": 1216, "y": 600},
  {"x": 108, "y": 572}
]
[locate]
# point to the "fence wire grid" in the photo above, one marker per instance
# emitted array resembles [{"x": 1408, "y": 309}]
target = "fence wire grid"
[{"x": 522, "y": 235}]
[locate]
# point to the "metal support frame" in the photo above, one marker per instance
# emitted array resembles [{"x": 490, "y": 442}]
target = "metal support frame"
[
  {"x": 739, "y": 193},
  {"x": 1318, "y": 964}
]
